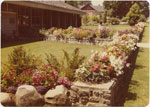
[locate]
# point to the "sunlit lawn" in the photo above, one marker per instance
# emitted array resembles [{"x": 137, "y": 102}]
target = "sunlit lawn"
[
  {"x": 116, "y": 27},
  {"x": 42, "y": 47},
  {"x": 145, "y": 38},
  {"x": 138, "y": 94}
]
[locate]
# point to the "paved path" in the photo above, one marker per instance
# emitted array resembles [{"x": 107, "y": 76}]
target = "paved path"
[{"x": 143, "y": 45}]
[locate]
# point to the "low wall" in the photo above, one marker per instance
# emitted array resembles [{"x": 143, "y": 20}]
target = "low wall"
[
  {"x": 111, "y": 93},
  {"x": 93, "y": 41}
]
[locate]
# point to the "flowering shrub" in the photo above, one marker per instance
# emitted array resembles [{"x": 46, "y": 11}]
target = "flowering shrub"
[
  {"x": 43, "y": 78},
  {"x": 109, "y": 63},
  {"x": 136, "y": 29},
  {"x": 77, "y": 33},
  {"x": 105, "y": 33}
]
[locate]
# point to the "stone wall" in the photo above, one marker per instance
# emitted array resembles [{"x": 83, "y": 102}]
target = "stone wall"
[{"x": 111, "y": 93}]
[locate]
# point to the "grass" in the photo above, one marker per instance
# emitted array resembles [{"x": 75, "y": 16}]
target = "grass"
[
  {"x": 116, "y": 27},
  {"x": 42, "y": 47},
  {"x": 145, "y": 38},
  {"x": 138, "y": 93}
]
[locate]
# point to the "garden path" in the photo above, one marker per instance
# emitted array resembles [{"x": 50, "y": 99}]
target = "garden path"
[{"x": 143, "y": 45}]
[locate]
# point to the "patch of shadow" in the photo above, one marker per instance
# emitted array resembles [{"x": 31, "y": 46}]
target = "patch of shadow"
[
  {"x": 139, "y": 66},
  {"x": 141, "y": 50},
  {"x": 131, "y": 96},
  {"x": 134, "y": 82}
]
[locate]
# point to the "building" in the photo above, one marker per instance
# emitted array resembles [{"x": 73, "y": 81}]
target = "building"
[
  {"x": 21, "y": 18},
  {"x": 92, "y": 10}
]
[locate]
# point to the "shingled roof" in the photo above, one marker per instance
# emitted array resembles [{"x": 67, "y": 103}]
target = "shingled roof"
[
  {"x": 98, "y": 8},
  {"x": 60, "y": 4},
  {"x": 51, "y": 5}
]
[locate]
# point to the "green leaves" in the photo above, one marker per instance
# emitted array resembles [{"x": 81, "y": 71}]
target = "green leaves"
[{"x": 68, "y": 64}]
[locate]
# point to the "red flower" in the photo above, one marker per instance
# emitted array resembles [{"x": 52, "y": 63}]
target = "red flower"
[
  {"x": 93, "y": 69},
  {"x": 12, "y": 78},
  {"x": 35, "y": 80},
  {"x": 54, "y": 74},
  {"x": 110, "y": 68},
  {"x": 105, "y": 58},
  {"x": 13, "y": 71},
  {"x": 5, "y": 76},
  {"x": 19, "y": 80},
  {"x": 52, "y": 85}
]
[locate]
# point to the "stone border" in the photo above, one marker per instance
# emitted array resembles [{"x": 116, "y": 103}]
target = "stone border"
[
  {"x": 91, "y": 41},
  {"x": 111, "y": 93}
]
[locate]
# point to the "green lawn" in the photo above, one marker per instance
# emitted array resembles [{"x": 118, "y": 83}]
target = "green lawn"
[
  {"x": 145, "y": 38},
  {"x": 42, "y": 47},
  {"x": 116, "y": 27},
  {"x": 138, "y": 93}
]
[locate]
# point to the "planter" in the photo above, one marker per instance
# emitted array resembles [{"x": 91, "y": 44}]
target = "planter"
[{"x": 111, "y": 93}]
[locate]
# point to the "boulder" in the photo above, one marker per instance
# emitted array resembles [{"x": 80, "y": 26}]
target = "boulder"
[
  {"x": 57, "y": 96},
  {"x": 7, "y": 99},
  {"x": 27, "y": 95}
]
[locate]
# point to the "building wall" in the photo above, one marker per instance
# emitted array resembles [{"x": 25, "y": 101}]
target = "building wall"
[{"x": 28, "y": 18}]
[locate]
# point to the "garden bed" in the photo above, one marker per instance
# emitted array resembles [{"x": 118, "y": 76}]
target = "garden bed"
[
  {"x": 95, "y": 82},
  {"x": 111, "y": 93}
]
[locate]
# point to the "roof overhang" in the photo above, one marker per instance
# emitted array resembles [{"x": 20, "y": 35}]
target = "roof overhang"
[{"x": 44, "y": 6}]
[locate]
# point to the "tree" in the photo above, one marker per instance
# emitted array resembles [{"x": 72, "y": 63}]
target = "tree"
[
  {"x": 134, "y": 14},
  {"x": 120, "y": 8}
]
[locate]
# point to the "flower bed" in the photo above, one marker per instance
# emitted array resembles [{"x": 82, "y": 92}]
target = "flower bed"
[
  {"x": 105, "y": 71},
  {"x": 78, "y": 35}
]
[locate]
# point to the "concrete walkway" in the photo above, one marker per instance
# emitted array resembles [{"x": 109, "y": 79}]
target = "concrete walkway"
[{"x": 143, "y": 45}]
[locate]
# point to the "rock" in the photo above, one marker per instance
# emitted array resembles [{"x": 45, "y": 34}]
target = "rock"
[
  {"x": 7, "y": 99},
  {"x": 27, "y": 95},
  {"x": 57, "y": 96}
]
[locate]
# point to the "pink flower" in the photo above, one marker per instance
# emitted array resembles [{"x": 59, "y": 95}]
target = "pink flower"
[
  {"x": 128, "y": 65},
  {"x": 69, "y": 83},
  {"x": 60, "y": 80},
  {"x": 93, "y": 69},
  {"x": 95, "y": 58},
  {"x": 65, "y": 80},
  {"x": 90, "y": 63}
]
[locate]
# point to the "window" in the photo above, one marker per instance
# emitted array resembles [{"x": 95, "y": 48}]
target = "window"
[
  {"x": 36, "y": 17},
  {"x": 12, "y": 8},
  {"x": 4, "y": 7},
  {"x": 24, "y": 16},
  {"x": 12, "y": 20}
]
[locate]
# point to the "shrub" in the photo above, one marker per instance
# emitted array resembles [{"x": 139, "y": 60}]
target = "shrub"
[
  {"x": 85, "y": 19},
  {"x": 19, "y": 59},
  {"x": 124, "y": 19},
  {"x": 80, "y": 34},
  {"x": 68, "y": 64},
  {"x": 134, "y": 14},
  {"x": 142, "y": 18},
  {"x": 105, "y": 33},
  {"x": 114, "y": 21},
  {"x": 95, "y": 18}
]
